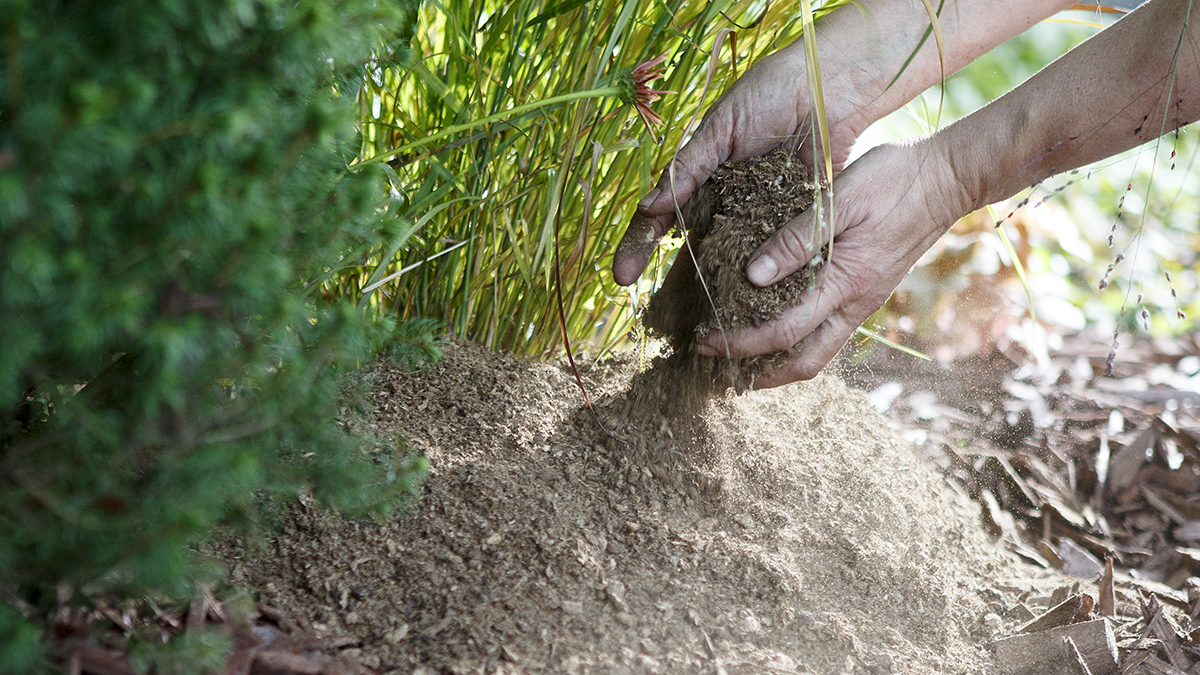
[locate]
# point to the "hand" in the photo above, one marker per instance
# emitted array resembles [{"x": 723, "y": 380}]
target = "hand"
[
  {"x": 889, "y": 207},
  {"x": 766, "y": 108}
]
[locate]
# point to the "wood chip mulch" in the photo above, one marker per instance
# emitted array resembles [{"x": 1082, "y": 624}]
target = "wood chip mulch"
[
  {"x": 1095, "y": 476},
  {"x": 96, "y": 639}
]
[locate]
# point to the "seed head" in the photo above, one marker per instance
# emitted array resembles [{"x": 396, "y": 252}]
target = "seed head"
[{"x": 635, "y": 91}]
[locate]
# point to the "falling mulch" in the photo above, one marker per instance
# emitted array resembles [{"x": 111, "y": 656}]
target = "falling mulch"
[{"x": 727, "y": 219}]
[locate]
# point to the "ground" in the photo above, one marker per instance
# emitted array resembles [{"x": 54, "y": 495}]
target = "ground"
[
  {"x": 666, "y": 524},
  {"x": 821, "y": 543},
  {"x": 677, "y": 527},
  {"x": 786, "y": 531}
]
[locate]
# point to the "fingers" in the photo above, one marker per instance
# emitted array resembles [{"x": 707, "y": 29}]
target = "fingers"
[
  {"x": 814, "y": 353},
  {"x": 781, "y": 333},
  {"x": 786, "y": 251},
  {"x": 692, "y": 165},
  {"x": 821, "y": 336},
  {"x": 790, "y": 248},
  {"x": 635, "y": 248}
]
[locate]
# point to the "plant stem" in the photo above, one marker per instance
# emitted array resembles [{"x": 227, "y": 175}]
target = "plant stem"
[{"x": 600, "y": 92}]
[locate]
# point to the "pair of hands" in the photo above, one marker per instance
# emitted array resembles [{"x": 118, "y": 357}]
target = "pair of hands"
[
  {"x": 888, "y": 207},
  {"x": 894, "y": 202}
]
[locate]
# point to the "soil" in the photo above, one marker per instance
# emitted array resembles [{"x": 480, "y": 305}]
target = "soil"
[
  {"x": 727, "y": 219},
  {"x": 795, "y": 533}
]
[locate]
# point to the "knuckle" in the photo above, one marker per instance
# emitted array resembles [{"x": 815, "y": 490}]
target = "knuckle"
[
  {"x": 787, "y": 336},
  {"x": 709, "y": 145},
  {"x": 796, "y": 370},
  {"x": 789, "y": 248},
  {"x": 807, "y": 365},
  {"x": 854, "y": 289},
  {"x": 856, "y": 284},
  {"x": 794, "y": 326},
  {"x": 635, "y": 248},
  {"x": 805, "y": 371}
]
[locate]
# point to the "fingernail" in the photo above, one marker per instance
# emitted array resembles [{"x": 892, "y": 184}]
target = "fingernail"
[
  {"x": 649, "y": 198},
  {"x": 762, "y": 271}
]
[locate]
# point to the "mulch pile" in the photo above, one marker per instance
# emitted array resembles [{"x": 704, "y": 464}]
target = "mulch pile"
[
  {"x": 803, "y": 540},
  {"x": 1117, "y": 546}
]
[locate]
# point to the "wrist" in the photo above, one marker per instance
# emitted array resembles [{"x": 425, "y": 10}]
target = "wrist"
[
  {"x": 887, "y": 54},
  {"x": 951, "y": 176},
  {"x": 992, "y": 153},
  {"x": 864, "y": 54}
]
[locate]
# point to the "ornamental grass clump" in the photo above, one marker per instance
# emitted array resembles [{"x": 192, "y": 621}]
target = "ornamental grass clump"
[
  {"x": 518, "y": 136},
  {"x": 170, "y": 175}
]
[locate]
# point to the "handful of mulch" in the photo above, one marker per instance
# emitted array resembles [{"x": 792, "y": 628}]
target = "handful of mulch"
[{"x": 728, "y": 218}]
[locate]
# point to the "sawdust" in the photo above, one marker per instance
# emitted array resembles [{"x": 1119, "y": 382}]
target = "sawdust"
[{"x": 780, "y": 531}]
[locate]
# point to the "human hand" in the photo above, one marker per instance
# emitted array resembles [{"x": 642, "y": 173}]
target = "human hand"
[
  {"x": 889, "y": 207},
  {"x": 767, "y": 107}
]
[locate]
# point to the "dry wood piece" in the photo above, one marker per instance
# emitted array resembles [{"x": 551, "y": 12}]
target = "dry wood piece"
[
  {"x": 1019, "y": 612},
  {"x": 1073, "y": 653},
  {"x": 1078, "y": 649},
  {"x": 1107, "y": 602},
  {"x": 287, "y": 664},
  {"x": 1077, "y": 562},
  {"x": 84, "y": 658},
  {"x": 1193, "y": 594},
  {"x": 1188, "y": 531},
  {"x": 1162, "y": 628},
  {"x": 1060, "y": 615},
  {"x": 1124, "y": 465},
  {"x": 1153, "y": 665},
  {"x": 1050, "y": 554},
  {"x": 1060, "y": 594},
  {"x": 1158, "y": 590},
  {"x": 1136, "y": 657}
]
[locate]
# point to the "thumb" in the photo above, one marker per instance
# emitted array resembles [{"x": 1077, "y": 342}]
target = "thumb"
[{"x": 787, "y": 250}]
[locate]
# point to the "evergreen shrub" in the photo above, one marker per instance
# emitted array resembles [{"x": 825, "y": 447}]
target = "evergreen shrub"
[{"x": 171, "y": 171}]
